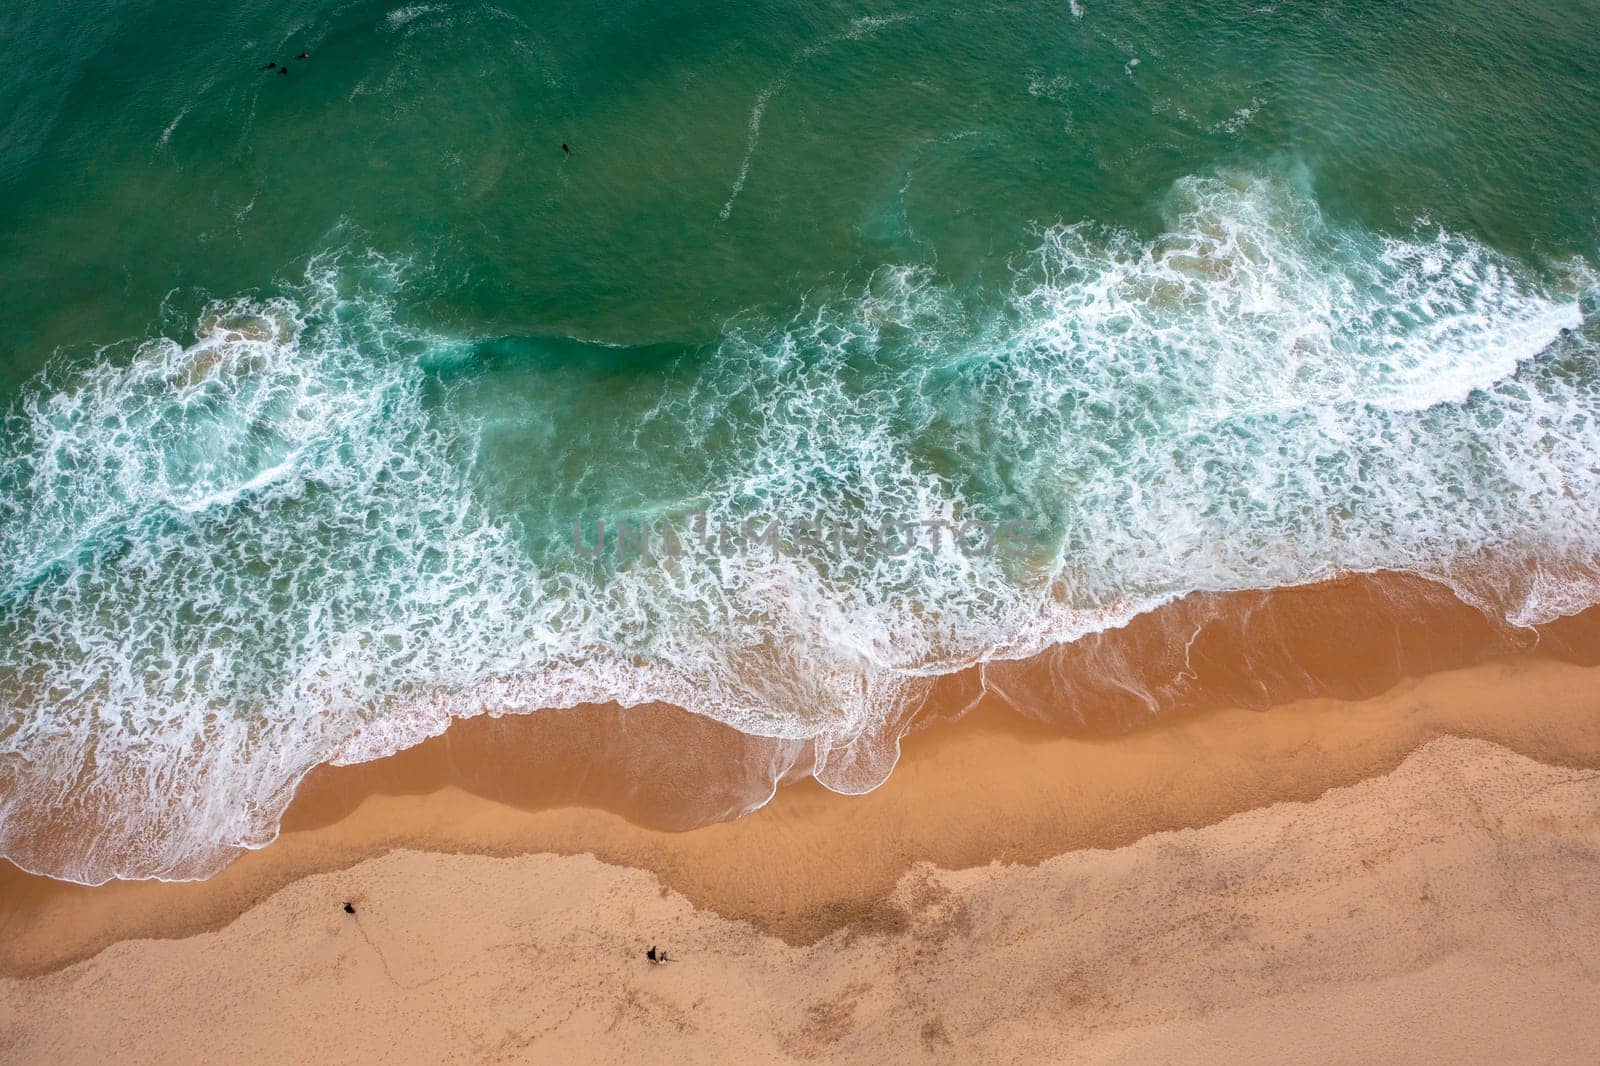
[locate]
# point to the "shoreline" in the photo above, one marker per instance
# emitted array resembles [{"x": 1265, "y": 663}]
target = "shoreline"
[
  {"x": 992, "y": 787},
  {"x": 661, "y": 767},
  {"x": 1400, "y": 867},
  {"x": 1441, "y": 909}
]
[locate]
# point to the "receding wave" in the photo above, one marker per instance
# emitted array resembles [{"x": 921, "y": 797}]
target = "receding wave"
[{"x": 315, "y": 533}]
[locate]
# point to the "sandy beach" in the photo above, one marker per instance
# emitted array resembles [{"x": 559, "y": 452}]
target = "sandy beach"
[{"x": 1410, "y": 875}]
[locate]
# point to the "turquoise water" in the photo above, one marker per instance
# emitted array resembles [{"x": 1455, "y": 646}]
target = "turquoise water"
[{"x": 319, "y": 385}]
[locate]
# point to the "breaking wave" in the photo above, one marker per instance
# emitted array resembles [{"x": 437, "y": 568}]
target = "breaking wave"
[{"x": 316, "y": 533}]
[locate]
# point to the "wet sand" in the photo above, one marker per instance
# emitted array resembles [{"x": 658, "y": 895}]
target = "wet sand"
[
  {"x": 509, "y": 827},
  {"x": 1444, "y": 912}
]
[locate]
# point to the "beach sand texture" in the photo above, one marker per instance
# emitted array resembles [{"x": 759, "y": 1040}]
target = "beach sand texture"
[
  {"x": 1443, "y": 912},
  {"x": 1215, "y": 888}
]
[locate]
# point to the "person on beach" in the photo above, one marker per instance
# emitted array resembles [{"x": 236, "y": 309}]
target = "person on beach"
[
  {"x": 651, "y": 955},
  {"x": 349, "y": 908}
]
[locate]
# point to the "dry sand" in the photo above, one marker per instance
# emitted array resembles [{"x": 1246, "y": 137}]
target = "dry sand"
[
  {"x": 1012, "y": 894},
  {"x": 1444, "y": 912}
]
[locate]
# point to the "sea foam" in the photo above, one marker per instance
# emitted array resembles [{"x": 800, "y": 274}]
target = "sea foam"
[{"x": 230, "y": 558}]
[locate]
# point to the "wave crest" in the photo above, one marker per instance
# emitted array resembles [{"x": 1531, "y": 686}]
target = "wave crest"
[{"x": 282, "y": 544}]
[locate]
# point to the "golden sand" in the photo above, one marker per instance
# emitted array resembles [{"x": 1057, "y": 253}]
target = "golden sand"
[
  {"x": 1135, "y": 888},
  {"x": 1444, "y": 912}
]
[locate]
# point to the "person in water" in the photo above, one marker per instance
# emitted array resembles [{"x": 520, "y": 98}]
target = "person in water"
[
  {"x": 564, "y": 149},
  {"x": 303, "y": 55}
]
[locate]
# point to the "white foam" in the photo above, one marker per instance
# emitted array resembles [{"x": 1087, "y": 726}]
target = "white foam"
[
  {"x": 166, "y": 134},
  {"x": 401, "y": 17},
  {"x": 1239, "y": 119},
  {"x": 752, "y": 137},
  {"x": 230, "y": 559},
  {"x": 859, "y": 29}
]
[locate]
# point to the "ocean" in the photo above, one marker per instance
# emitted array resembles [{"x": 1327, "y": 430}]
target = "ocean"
[{"x": 766, "y": 359}]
